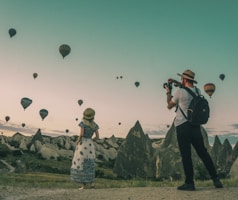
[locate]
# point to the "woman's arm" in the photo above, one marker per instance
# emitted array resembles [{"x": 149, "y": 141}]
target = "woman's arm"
[
  {"x": 97, "y": 134},
  {"x": 80, "y": 135}
]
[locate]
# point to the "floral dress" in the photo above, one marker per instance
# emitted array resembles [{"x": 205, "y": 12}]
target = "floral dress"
[{"x": 83, "y": 163}]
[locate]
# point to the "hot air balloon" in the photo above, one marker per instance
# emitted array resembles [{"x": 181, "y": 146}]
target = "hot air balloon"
[
  {"x": 64, "y": 50},
  {"x": 119, "y": 123},
  {"x": 80, "y": 102},
  {"x": 137, "y": 84},
  {"x": 12, "y": 32},
  {"x": 222, "y": 76},
  {"x": 35, "y": 75},
  {"x": 7, "y": 118},
  {"x": 43, "y": 113},
  {"x": 76, "y": 119},
  {"x": 23, "y": 125},
  {"x": 67, "y": 130},
  {"x": 25, "y": 102},
  {"x": 209, "y": 88}
]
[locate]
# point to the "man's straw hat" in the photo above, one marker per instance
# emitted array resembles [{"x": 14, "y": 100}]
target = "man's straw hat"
[{"x": 188, "y": 74}]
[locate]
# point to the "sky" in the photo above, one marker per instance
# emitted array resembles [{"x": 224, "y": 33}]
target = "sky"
[{"x": 147, "y": 41}]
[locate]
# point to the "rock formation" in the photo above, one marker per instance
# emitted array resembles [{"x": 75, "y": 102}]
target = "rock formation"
[{"x": 135, "y": 155}]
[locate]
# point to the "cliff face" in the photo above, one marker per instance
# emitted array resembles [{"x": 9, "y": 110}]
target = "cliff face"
[{"x": 134, "y": 156}]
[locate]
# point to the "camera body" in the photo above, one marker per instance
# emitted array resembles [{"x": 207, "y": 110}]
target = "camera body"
[{"x": 169, "y": 85}]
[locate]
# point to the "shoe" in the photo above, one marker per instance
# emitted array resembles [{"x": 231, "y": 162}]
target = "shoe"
[
  {"x": 82, "y": 188},
  {"x": 217, "y": 183},
  {"x": 188, "y": 187}
]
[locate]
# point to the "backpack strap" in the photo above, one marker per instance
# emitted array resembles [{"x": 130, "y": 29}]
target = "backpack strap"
[{"x": 190, "y": 92}]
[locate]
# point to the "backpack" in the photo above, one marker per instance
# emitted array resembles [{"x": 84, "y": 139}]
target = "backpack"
[{"x": 198, "y": 111}]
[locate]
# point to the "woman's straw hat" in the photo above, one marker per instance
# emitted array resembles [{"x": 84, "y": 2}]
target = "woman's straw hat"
[
  {"x": 188, "y": 74},
  {"x": 89, "y": 114}
]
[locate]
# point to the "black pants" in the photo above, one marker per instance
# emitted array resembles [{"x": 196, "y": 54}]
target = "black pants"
[{"x": 188, "y": 135}]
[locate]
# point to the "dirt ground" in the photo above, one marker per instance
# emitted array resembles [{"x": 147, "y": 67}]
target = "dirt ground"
[{"x": 138, "y": 193}]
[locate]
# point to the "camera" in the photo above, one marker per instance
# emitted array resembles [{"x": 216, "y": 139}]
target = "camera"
[
  {"x": 169, "y": 85},
  {"x": 172, "y": 82}
]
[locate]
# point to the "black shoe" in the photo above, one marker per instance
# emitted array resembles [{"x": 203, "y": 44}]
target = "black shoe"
[
  {"x": 217, "y": 183},
  {"x": 188, "y": 187}
]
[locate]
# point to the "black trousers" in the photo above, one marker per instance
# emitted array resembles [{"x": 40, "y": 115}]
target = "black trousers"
[{"x": 188, "y": 135}]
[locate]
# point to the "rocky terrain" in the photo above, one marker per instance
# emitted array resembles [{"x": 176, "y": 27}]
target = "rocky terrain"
[{"x": 134, "y": 156}]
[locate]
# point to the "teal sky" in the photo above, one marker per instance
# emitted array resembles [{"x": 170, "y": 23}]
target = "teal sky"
[{"x": 142, "y": 40}]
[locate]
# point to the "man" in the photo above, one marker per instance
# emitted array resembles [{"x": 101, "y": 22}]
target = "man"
[{"x": 188, "y": 134}]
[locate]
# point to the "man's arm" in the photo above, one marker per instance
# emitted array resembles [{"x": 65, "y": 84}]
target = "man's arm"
[{"x": 170, "y": 103}]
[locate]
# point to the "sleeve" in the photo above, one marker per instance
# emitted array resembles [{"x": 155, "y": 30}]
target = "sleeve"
[
  {"x": 97, "y": 127},
  {"x": 176, "y": 96},
  {"x": 81, "y": 124}
]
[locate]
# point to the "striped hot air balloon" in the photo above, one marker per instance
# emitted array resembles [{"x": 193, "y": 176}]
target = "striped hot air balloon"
[{"x": 209, "y": 88}]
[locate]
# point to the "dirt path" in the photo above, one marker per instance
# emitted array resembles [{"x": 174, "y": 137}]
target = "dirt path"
[{"x": 150, "y": 193}]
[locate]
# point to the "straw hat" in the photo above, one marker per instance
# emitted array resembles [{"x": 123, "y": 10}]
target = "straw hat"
[
  {"x": 188, "y": 74},
  {"x": 89, "y": 114}
]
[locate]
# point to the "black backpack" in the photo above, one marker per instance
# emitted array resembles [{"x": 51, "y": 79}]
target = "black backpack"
[{"x": 198, "y": 111}]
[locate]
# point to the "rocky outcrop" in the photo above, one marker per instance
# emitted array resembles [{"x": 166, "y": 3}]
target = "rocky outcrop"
[
  {"x": 233, "y": 174},
  {"x": 216, "y": 150},
  {"x": 235, "y": 152},
  {"x": 225, "y": 158},
  {"x": 135, "y": 155}
]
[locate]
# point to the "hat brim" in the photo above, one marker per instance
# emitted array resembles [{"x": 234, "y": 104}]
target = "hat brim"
[
  {"x": 187, "y": 77},
  {"x": 88, "y": 118}
]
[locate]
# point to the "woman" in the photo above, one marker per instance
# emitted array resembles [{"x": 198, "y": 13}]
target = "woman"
[{"x": 83, "y": 163}]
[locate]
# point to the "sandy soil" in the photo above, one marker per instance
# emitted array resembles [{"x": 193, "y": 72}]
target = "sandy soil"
[{"x": 150, "y": 193}]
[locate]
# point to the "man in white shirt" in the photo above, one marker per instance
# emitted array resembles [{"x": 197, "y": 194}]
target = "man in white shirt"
[{"x": 188, "y": 134}]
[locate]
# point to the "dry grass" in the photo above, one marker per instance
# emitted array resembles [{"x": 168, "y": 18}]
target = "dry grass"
[{"x": 51, "y": 180}]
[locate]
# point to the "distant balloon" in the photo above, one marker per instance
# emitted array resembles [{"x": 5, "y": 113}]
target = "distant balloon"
[
  {"x": 7, "y": 118},
  {"x": 209, "y": 88},
  {"x": 67, "y": 130},
  {"x": 25, "y": 102},
  {"x": 64, "y": 50},
  {"x": 76, "y": 119},
  {"x": 137, "y": 84},
  {"x": 119, "y": 123},
  {"x": 80, "y": 102},
  {"x": 121, "y": 77},
  {"x": 12, "y": 32},
  {"x": 23, "y": 125},
  {"x": 222, "y": 76},
  {"x": 167, "y": 125},
  {"x": 35, "y": 75},
  {"x": 43, "y": 113}
]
